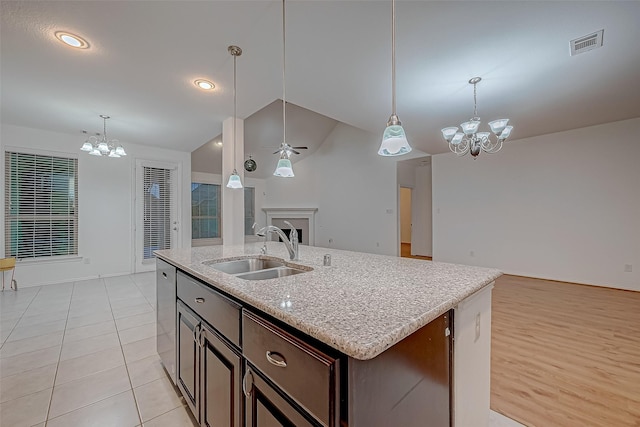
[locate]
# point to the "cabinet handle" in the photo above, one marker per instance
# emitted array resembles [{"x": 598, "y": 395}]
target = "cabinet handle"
[
  {"x": 164, "y": 274},
  {"x": 244, "y": 383},
  {"x": 199, "y": 300},
  {"x": 276, "y": 359},
  {"x": 194, "y": 332}
]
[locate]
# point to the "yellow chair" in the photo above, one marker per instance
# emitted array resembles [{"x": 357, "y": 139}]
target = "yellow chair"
[{"x": 7, "y": 264}]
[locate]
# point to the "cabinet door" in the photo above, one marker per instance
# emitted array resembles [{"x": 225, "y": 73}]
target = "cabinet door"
[
  {"x": 166, "y": 315},
  {"x": 266, "y": 407},
  {"x": 221, "y": 382},
  {"x": 188, "y": 357}
]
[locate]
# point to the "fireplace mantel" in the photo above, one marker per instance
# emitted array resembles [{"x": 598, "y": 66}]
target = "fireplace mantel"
[{"x": 294, "y": 213}]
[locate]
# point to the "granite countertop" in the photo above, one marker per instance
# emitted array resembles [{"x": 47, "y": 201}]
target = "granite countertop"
[{"x": 360, "y": 305}]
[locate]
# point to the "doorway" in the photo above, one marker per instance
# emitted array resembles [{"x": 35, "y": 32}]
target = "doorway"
[
  {"x": 405, "y": 221},
  {"x": 156, "y": 213}
]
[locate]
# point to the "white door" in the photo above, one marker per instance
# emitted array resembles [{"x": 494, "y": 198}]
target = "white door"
[{"x": 157, "y": 225}]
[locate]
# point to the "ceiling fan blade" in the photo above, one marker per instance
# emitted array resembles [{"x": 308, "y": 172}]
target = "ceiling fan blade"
[
  {"x": 301, "y": 148},
  {"x": 294, "y": 151},
  {"x": 276, "y": 152}
]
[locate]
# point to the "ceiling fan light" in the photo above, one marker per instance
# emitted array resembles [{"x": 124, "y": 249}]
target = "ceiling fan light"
[
  {"x": 394, "y": 142},
  {"x": 448, "y": 133},
  {"x": 284, "y": 169},
  {"x": 234, "y": 180},
  {"x": 497, "y": 126}
]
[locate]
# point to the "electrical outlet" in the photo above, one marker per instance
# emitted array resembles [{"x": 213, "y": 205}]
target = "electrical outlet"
[
  {"x": 377, "y": 244},
  {"x": 472, "y": 253},
  {"x": 330, "y": 241},
  {"x": 628, "y": 268},
  {"x": 477, "y": 327},
  {"x": 389, "y": 211}
]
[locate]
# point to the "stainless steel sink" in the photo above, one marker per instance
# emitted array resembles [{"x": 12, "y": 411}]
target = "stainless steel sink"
[
  {"x": 257, "y": 268},
  {"x": 245, "y": 265},
  {"x": 273, "y": 273}
]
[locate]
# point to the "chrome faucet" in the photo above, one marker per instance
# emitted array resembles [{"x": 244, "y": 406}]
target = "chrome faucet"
[{"x": 291, "y": 245}]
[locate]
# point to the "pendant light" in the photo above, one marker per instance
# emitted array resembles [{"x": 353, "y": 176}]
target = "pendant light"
[
  {"x": 394, "y": 140},
  {"x": 234, "y": 178},
  {"x": 284, "y": 168}
]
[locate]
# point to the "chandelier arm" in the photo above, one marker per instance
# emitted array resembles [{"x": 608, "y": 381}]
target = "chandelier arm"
[{"x": 462, "y": 148}]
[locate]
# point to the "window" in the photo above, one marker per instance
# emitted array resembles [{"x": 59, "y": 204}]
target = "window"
[
  {"x": 249, "y": 210},
  {"x": 41, "y": 202},
  {"x": 205, "y": 211},
  {"x": 157, "y": 210}
]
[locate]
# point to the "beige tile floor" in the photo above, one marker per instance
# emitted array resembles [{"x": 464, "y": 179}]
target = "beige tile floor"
[{"x": 83, "y": 354}]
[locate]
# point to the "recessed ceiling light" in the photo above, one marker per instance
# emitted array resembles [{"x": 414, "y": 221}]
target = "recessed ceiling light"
[
  {"x": 72, "y": 40},
  {"x": 204, "y": 84}
]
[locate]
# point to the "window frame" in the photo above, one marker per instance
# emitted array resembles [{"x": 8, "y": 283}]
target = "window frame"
[{"x": 72, "y": 217}]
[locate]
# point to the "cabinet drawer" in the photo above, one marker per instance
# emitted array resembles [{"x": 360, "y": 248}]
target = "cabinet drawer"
[
  {"x": 307, "y": 375},
  {"x": 217, "y": 310}
]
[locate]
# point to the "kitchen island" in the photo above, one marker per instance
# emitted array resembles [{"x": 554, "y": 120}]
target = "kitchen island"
[{"x": 382, "y": 327}]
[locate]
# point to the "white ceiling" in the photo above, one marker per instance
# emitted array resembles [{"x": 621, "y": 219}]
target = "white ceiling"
[
  {"x": 145, "y": 55},
  {"x": 262, "y": 136}
]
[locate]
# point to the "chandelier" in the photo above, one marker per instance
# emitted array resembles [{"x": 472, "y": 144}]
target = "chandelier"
[
  {"x": 472, "y": 141},
  {"x": 101, "y": 145}
]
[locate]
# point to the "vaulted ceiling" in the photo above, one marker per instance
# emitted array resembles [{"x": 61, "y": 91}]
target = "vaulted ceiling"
[{"x": 145, "y": 55}]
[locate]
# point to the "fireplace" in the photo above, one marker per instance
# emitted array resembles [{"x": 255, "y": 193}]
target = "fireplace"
[{"x": 303, "y": 219}]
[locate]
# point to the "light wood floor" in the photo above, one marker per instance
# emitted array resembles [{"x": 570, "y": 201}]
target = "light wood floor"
[
  {"x": 405, "y": 251},
  {"x": 564, "y": 354}
]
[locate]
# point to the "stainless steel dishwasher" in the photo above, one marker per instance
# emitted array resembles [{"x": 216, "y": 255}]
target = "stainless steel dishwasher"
[{"x": 166, "y": 316}]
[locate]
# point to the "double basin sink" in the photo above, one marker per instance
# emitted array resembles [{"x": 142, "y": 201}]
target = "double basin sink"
[{"x": 257, "y": 268}]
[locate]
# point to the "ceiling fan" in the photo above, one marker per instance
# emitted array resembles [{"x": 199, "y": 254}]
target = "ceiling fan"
[{"x": 287, "y": 149}]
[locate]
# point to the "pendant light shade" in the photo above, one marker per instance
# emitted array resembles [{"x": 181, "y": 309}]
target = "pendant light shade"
[
  {"x": 234, "y": 178},
  {"x": 394, "y": 139},
  {"x": 284, "y": 168}
]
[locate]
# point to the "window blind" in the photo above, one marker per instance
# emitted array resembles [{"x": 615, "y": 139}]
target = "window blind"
[
  {"x": 41, "y": 202},
  {"x": 157, "y": 210},
  {"x": 205, "y": 210},
  {"x": 249, "y": 210}
]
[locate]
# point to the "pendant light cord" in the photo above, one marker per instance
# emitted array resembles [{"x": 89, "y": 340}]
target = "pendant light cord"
[
  {"x": 284, "y": 76},
  {"x": 393, "y": 57},
  {"x": 235, "y": 113}
]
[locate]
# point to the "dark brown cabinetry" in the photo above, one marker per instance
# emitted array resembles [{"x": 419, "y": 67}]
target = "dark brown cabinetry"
[
  {"x": 267, "y": 407},
  {"x": 237, "y": 367}
]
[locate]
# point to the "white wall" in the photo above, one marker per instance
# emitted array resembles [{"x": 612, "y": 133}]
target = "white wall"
[
  {"x": 405, "y": 215},
  {"x": 564, "y": 206},
  {"x": 105, "y": 206},
  {"x": 354, "y": 189}
]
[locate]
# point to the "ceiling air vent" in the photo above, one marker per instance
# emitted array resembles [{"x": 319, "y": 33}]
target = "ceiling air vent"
[{"x": 586, "y": 43}]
